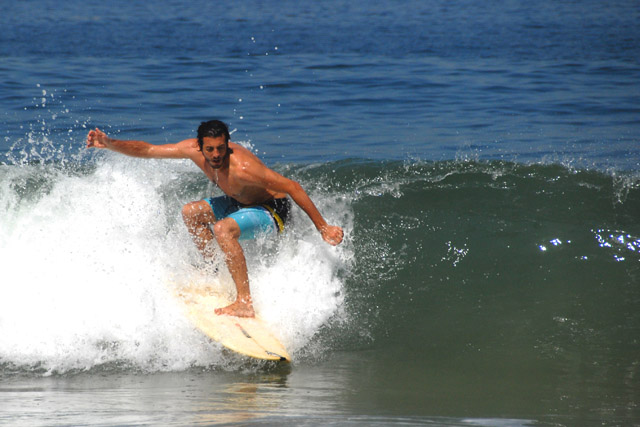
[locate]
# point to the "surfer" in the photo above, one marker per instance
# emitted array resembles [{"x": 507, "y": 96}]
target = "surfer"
[{"x": 255, "y": 201}]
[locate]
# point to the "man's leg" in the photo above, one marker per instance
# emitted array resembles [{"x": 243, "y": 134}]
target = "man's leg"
[
  {"x": 227, "y": 233},
  {"x": 198, "y": 216}
]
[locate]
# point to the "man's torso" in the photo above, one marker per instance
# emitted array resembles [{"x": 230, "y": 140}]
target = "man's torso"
[{"x": 234, "y": 180}]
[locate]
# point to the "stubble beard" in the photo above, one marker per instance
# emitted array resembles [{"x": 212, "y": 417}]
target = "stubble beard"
[{"x": 216, "y": 165}]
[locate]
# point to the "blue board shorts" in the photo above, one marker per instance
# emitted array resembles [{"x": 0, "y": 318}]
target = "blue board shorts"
[{"x": 264, "y": 218}]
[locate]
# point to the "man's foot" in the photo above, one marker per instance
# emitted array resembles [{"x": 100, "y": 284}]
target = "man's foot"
[{"x": 238, "y": 309}]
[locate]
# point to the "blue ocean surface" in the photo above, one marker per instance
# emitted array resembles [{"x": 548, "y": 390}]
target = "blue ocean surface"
[{"x": 482, "y": 158}]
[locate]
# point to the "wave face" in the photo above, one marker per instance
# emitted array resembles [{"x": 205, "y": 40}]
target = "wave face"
[
  {"x": 536, "y": 253},
  {"x": 533, "y": 261}
]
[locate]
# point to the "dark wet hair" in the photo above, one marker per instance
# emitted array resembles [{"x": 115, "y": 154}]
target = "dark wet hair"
[{"x": 212, "y": 129}]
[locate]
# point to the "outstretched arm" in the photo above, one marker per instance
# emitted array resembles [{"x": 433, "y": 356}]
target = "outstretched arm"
[
  {"x": 182, "y": 150},
  {"x": 274, "y": 181},
  {"x": 331, "y": 234}
]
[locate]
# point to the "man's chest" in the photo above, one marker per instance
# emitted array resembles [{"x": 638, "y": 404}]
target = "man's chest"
[
  {"x": 233, "y": 186},
  {"x": 229, "y": 185}
]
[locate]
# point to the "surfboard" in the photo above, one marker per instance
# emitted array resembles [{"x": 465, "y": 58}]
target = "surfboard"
[{"x": 246, "y": 336}]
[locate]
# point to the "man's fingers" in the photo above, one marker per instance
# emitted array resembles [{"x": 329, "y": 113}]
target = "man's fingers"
[
  {"x": 334, "y": 236},
  {"x": 94, "y": 138}
]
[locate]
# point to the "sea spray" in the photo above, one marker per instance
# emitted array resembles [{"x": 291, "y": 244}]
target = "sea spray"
[
  {"x": 48, "y": 129},
  {"x": 80, "y": 279},
  {"x": 89, "y": 261}
]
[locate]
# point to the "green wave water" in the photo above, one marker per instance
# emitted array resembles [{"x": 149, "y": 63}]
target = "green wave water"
[
  {"x": 477, "y": 279},
  {"x": 487, "y": 243}
]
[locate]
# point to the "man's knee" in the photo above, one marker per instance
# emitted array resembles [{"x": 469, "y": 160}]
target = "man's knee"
[
  {"x": 197, "y": 212},
  {"x": 226, "y": 229}
]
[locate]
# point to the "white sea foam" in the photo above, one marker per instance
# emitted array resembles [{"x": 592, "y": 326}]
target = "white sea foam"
[{"x": 88, "y": 262}]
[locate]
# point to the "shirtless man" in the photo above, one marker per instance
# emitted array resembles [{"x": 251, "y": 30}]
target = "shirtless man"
[{"x": 256, "y": 198}]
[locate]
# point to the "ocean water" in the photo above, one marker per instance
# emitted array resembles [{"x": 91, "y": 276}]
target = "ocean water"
[{"x": 482, "y": 158}]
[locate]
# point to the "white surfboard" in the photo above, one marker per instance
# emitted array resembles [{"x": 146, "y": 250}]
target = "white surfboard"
[{"x": 247, "y": 336}]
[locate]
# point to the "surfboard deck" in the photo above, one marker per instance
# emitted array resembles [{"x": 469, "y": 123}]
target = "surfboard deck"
[{"x": 247, "y": 336}]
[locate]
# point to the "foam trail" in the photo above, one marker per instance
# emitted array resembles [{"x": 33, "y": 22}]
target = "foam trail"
[{"x": 89, "y": 260}]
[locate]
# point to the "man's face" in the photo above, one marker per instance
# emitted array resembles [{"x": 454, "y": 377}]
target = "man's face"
[{"x": 215, "y": 151}]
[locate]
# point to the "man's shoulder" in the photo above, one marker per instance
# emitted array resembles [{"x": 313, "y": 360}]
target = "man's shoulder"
[
  {"x": 189, "y": 143},
  {"x": 243, "y": 156},
  {"x": 237, "y": 148},
  {"x": 189, "y": 147}
]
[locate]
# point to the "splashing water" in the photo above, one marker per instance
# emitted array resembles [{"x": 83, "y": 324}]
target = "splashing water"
[{"x": 90, "y": 251}]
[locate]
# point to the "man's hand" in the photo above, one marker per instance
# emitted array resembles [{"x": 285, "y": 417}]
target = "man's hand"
[
  {"x": 332, "y": 234},
  {"x": 98, "y": 139}
]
